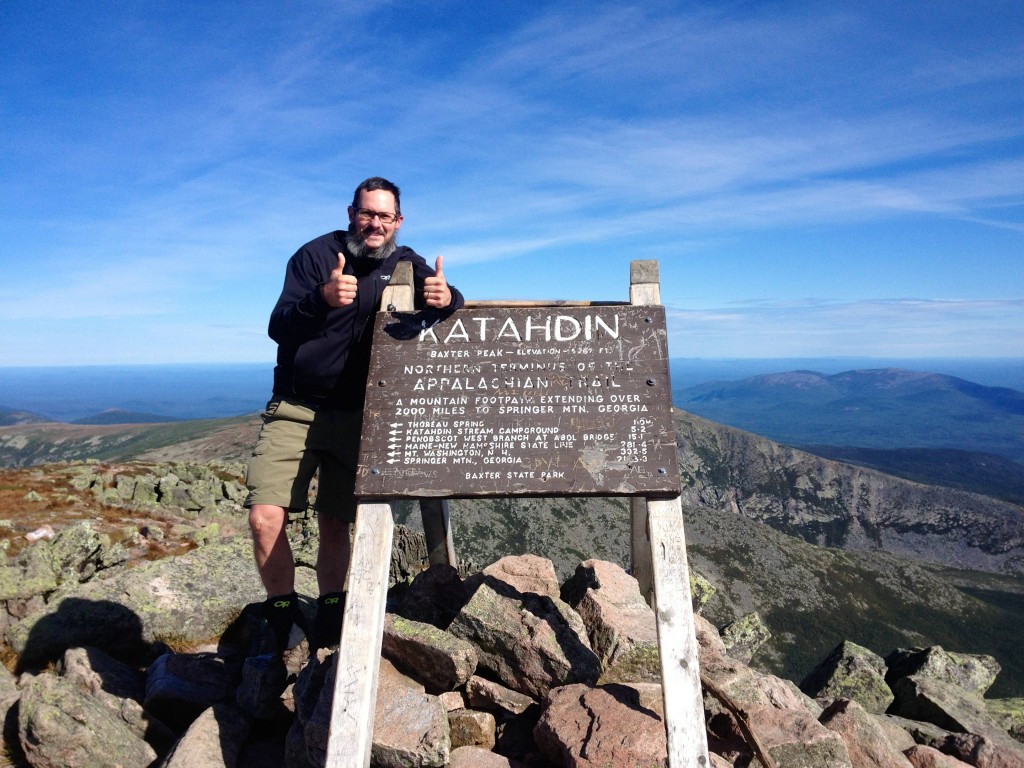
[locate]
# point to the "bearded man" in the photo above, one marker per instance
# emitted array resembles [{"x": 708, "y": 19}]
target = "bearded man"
[{"x": 323, "y": 326}]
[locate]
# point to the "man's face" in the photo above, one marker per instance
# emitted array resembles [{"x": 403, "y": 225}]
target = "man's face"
[{"x": 372, "y": 231}]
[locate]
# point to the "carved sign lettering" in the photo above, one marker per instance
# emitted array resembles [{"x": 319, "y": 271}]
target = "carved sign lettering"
[{"x": 548, "y": 401}]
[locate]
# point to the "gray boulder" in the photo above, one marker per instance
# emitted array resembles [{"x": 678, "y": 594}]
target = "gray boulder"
[
  {"x": 471, "y": 728},
  {"x": 981, "y": 751},
  {"x": 795, "y": 739},
  {"x": 183, "y": 601},
  {"x": 621, "y": 626},
  {"x": 529, "y": 642},
  {"x": 948, "y": 706},
  {"x": 851, "y": 672},
  {"x": 1008, "y": 714},
  {"x": 744, "y": 636},
  {"x": 486, "y": 694},
  {"x": 59, "y": 726},
  {"x": 410, "y": 726},
  {"x": 120, "y": 687},
  {"x": 180, "y": 686},
  {"x": 102, "y": 675},
  {"x": 75, "y": 555},
  {"x": 974, "y": 673},
  {"x": 215, "y": 739},
  {"x": 437, "y": 659}
]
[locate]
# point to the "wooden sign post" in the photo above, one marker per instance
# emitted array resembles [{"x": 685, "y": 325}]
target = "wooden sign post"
[{"x": 525, "y": 399}]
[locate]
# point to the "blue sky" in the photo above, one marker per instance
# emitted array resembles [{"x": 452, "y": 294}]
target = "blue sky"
[{"x": 815, "y": 179}]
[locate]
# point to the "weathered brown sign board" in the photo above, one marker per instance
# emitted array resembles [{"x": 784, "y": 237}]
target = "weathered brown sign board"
[{"x": 505, "y": 401}]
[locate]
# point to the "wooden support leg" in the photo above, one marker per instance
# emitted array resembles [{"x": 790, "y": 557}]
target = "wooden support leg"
[
  {"x": 355, "y": 685},
  {"x": 640, "y": 548},
  {"x": 437, "y": 531},
  {"x": 677, "y": 639}
]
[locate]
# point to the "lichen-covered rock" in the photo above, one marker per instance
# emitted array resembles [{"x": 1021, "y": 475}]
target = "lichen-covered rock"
[
  {"x": 145, "y": 490},
  {"x": 205, "y": 535},
  {"x": 622, "y": 628},
  {"x": 795, "y": 739},
  {"x": 750, "y": 688},
  {"x": 1008, "y": 714},
  {"x": 851, "y": 672},
  {"x": 701, "y": 590},
  {"x": 947, "y": 706},
  {"x": 32, "y": 574},
  {"x": 410, "y": 726},
  {"x": 76, "y": 551},
  {"x": 120, "y": 687},
  {"x": 59, "y": 726},
  {"x": 974, "y": 673},
  {"x": 408, "y": 556},
  {"x": 437, "y": 659},
  {"x": 182, "y": 601},
  {"x": 744, "y": 636}
]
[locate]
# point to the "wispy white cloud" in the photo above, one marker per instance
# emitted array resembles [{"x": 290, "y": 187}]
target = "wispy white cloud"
[
  {"x": 815, "y": 328},
  {"x": 205, "y": 152}
]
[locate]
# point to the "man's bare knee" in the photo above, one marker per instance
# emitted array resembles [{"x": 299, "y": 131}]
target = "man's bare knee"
[{"x": 265, "y": 517}]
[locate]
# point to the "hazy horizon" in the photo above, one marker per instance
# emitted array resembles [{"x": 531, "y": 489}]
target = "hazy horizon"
[{"x": 213, "y": 390}]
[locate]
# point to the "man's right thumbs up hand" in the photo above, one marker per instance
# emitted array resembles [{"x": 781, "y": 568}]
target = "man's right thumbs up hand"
[{"x": 340, "y": 289}]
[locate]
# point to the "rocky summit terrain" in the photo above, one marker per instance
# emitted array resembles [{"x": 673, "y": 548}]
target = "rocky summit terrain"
[
  {"x": 845, "y": 617},
  {"x": 162, "y": 663}
]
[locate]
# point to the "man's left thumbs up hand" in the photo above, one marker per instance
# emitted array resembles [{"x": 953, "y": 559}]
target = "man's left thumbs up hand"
[{"x": 436, "y": 292}]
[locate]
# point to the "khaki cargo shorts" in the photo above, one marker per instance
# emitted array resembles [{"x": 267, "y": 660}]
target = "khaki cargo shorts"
[{"x": 294, "y": 442}]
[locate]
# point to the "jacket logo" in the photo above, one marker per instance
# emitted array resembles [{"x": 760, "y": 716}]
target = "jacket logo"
[{"x": 385, "y": 278}]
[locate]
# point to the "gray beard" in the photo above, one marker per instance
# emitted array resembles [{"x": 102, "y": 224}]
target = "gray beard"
[{"x": 357, "y": 247}]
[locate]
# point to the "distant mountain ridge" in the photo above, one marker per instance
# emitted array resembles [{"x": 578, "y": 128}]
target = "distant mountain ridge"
[
  {"x": 121, "y": 416},
  {"x": 12, "y": 416},
  {"x": 878, "y": 408}
]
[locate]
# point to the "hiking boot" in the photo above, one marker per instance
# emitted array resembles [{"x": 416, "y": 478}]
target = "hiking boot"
[
  {"x": 330, "y": 610},
  {"x": 285, "y": 625}
]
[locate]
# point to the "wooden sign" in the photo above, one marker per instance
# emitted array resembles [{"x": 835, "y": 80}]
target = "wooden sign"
[{"x": 503, "y": 401}]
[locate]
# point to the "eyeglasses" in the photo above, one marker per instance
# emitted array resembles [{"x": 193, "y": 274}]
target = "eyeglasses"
[{"x": 365, "y": 214}]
